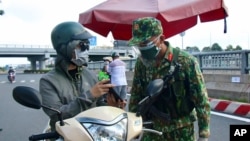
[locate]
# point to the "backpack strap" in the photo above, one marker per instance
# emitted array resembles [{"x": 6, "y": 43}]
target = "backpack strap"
[
  {"x": 175, "y": 59},
  {"x": 176, "y": 55}
]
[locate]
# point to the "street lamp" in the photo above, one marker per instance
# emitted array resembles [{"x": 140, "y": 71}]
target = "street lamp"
[{"x": 182, "y": 34}]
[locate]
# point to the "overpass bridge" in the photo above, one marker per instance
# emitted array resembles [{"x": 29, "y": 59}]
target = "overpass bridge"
[
  {"x": 226, "y": 73},
  {"x": 40, "y": 53}
]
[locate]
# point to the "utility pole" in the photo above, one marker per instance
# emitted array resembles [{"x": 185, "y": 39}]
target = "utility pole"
[{"x": 182, "y": 34}]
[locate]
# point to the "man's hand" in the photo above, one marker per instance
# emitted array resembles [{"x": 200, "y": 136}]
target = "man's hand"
[
  {"x": 101, "y": 88},
  {"x": 112, "y": 102}
]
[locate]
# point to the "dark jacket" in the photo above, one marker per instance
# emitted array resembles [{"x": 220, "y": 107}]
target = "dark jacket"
[{"x": 58, "y": 90}]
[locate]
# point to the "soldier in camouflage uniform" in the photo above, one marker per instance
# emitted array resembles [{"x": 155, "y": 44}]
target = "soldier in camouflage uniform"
[{"x": 186, "y": 99}]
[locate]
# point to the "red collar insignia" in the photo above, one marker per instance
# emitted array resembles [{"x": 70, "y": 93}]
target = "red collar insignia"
[{"x": 170, "y": 56}]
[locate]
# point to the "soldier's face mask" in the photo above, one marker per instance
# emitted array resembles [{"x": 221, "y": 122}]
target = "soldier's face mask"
[
  {"x": 81, "y": 53},
  {"x": 148, "y": 53}
]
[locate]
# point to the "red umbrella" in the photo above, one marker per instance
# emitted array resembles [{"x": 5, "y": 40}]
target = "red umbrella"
[{"x": 116, "y": 16}]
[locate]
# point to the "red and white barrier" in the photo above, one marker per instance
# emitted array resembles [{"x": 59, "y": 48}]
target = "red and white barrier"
[{"x": 236, "y": 108}]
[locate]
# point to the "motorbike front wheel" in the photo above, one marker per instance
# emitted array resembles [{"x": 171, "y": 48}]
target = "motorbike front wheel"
[{"x": 11, "y": 79}]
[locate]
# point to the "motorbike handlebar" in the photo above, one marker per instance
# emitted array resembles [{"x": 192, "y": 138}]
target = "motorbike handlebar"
[{"x": 50, "y": 135}]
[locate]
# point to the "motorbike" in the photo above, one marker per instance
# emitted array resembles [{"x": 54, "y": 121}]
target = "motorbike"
[
  {"x": 104, "y": 123},
  {"x": 11, "y": 77}
]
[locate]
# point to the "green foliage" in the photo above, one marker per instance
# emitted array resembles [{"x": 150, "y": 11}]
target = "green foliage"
[
  {"x": 2, "y": 69},
  {"x": 216, "y": 47},
  {"x": 206, "y": 49},
  {"x": 36, "y": 71},
  {"x": 231, "y": 48},
  {"x": 244, "y": 100},
  {"x": 238, "y": 47},
  {"x": 192, "y": 49}
]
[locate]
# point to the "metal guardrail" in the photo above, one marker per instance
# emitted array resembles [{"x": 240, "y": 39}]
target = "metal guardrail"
[
  {"x": 98, "y": 65},
  {"x": 24, "y": 46},
  {"x": 238, "y": 61},
  {"x": 17, "y": 50},
  {"x": 223, "y": 61}
]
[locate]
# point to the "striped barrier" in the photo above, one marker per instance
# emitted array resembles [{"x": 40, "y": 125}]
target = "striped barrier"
[{"x": 236, "y": 108}]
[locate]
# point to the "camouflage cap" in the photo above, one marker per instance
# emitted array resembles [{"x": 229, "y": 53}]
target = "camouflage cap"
[{"x": 143, "y": 29}]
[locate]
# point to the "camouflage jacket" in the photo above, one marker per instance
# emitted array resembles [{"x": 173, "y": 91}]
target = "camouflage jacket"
[{"x": 198, "y": 94}]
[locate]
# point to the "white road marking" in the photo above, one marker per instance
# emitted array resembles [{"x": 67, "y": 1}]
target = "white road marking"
[
  {"x": 22, "y": 81},
  {"x": 231, "y": 116}
]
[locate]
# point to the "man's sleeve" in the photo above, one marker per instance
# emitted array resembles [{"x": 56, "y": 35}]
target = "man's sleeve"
[{"x": 200, "y": 98}]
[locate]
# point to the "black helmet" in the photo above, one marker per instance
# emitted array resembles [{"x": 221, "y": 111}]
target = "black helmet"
[
  {"x": 65, "y": 32},
  {"x": 115, "y": 54}
]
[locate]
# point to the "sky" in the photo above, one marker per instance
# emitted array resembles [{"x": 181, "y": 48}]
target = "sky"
[{"x": 30, "y": 22}]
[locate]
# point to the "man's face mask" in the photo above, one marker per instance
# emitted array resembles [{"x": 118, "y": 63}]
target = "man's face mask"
[
  {"x": 148, "y": 53},
  {"x": 81, "y": 54}
]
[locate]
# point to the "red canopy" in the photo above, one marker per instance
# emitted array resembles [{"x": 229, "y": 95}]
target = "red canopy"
[{"x": 116, "y": 16}]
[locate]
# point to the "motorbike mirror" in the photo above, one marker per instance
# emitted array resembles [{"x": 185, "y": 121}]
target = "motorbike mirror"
[
  {"x": 153, "y": 90},
  {"x": 154, "y": 87},
  {"x": 27, "y": 96}
]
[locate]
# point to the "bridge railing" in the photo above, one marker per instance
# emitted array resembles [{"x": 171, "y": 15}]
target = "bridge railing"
[
  {"x": 233, "y": 62},
  {"x": 237, "y": 62},
  {"x": 24, "y": 46},
  {"x": 98, "y": 65},
  {"x": 46, "y": 46}
]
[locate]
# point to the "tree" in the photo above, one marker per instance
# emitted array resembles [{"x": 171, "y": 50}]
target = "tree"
[
  {"x": 216, "y": 47},
  {"x": 229, "y": 48},
  {"x": 206, "y": 49},
  {"x": 192, "y": 49},
  {"x": 238, "y": 47}
]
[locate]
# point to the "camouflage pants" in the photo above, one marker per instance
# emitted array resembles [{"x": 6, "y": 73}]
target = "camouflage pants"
[{"x": 183, "y": 134}]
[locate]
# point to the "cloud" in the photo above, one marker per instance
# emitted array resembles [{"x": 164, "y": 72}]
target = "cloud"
[
  {"x": 205, "y": 34},
  {"x": 26, "y": 10},
  {"x": 31, "y": 21}
]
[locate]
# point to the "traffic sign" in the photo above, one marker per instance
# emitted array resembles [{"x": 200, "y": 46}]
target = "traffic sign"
[{"x": 92, "y": 41}]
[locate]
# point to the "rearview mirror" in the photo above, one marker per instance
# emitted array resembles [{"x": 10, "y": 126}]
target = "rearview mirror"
[
  {"x": 153, "y": 90},
  {"x": 27, "y": 96},
  {"x": 154, "y": 87}
]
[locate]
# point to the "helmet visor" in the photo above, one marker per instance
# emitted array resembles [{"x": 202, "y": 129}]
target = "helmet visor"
[{"x": 83, "y": 35}]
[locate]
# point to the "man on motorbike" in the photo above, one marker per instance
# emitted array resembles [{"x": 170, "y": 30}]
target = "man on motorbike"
[
  {"x": 11, "y": 73},
  {"x": 11, "y": 70},
  {"x": 71, "y": 87}
]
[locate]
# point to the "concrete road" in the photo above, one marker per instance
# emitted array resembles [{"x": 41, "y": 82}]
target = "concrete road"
[{"x": 19, "y": 122}]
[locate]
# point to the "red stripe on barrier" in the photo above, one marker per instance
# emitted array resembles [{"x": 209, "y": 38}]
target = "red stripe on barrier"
[
  {"x": 222, "y": 105},
  {"x": 243, "y": 110}
]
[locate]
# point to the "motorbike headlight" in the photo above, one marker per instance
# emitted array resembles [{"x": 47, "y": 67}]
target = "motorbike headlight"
[{"x": 107, "y": 131}]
